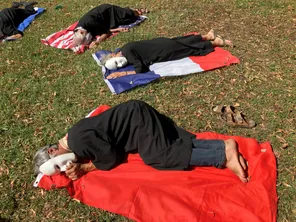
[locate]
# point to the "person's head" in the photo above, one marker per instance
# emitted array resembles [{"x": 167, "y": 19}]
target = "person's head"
[
  {"x": 81, "y": 37},
  {"x": 46, "y": 153},
  {"x": 114, "y": 61}
]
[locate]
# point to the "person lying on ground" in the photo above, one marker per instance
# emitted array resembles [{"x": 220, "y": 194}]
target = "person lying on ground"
[
  {"x": 136, "y": 127},
  {"x": 11, "y": 18},
  {"x": 103, "y": 20},
  {"x": 142, "y": 54}
]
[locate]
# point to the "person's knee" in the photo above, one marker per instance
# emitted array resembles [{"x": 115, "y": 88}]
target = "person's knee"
[{"x": 230, "y": 144}]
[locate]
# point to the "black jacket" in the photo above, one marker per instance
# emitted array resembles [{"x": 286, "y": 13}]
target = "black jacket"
[
  {"x": 102, "y": 18},
  {"x": 142, "y": 54},
  {"x": 131, "y": 127}
]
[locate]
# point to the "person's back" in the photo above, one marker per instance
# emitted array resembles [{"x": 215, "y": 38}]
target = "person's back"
[
  {"x": 7, "y": 15},
  {"x": 92, "y": 21},
  {"x": 102, "y": 18},
  {"x": 133, "y": 126},
  {"x": 10, "y": 18}
]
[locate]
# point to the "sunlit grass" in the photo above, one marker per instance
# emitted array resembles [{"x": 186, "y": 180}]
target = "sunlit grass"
[{"x": 44, "y": 91}]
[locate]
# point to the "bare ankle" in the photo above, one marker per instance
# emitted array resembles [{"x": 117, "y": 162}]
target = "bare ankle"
[{"x": 230, "y": 144}]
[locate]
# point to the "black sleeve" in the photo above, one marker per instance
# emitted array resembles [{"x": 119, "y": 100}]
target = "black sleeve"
[
  {"x": 103, "y": 30},
  {"x": 134, "y": 59},
  {"x": 93, "y": 145},
  {"x": 93, "y": 26}
]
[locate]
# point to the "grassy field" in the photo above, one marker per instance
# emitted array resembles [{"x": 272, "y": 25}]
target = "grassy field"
[{"x": 45, "y": 90}]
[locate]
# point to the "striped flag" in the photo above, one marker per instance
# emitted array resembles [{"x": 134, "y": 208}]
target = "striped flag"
[
  {"x": 63, "y": 39},
  {"x": 189, "y": 65}
]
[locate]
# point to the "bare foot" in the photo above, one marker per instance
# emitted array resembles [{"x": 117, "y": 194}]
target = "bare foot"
[
  {"x": 234, "y": 161},
  {"x": 210, "y": 36},
  {"x": 92, "y": 44},
  {"x": 219, "y": 41},
  {"x": 141, "y": 11}
]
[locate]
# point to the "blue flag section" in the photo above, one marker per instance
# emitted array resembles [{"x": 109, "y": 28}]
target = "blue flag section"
[{"x": 28, "y": 20}]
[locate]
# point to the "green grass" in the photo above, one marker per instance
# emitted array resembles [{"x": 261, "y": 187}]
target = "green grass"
[{"x": 44, "y": 91}]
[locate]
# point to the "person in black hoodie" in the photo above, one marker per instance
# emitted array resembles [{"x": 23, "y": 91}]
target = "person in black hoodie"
[
  {"x": 11, "y": 18},
  {"x": 141, "y": 54},
  {"x": 136, "y": 127},
  {"x": 103, "y": 20}
]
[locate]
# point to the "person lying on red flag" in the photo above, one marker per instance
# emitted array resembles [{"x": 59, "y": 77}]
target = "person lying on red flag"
[{"x": 136, "y": 127}]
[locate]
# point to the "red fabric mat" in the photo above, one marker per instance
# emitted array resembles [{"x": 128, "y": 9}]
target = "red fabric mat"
[{"x": 203, "y": 194}]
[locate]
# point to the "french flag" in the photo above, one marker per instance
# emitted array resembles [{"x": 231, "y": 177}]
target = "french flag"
[{"x": 189, "y": 65}]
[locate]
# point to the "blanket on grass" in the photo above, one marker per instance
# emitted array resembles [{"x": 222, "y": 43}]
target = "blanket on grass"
[
  {"x": 204, "y": 194},
  {"x": 26, "y": 22},
  {"x": 189, "y": 65},
  {"x": 63, "y": 39}
]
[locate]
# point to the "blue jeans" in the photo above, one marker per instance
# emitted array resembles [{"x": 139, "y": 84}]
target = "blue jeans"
[{"x": 207, "y": 153}]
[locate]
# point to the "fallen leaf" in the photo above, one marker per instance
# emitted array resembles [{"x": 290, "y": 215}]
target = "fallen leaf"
[
  {"x": 286, "y": 185},
  {"x": 285, "y": 146}
]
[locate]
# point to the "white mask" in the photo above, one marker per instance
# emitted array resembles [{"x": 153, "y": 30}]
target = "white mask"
[
  {"x": 57, "y": 164},
  {"x": 115, "y": 63}
]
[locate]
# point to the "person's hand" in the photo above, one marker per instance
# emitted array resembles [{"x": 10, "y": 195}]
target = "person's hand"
[
  {"x": 116, "y": 75},
  {"x": 123, "y": 29},
  {"x": 119, "y": 30},
  {"x": 93, "y": 44},
  {"x": 74, "y": 171}
]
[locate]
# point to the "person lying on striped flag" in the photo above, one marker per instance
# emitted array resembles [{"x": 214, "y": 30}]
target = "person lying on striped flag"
[{"x": 103, "y": 20}]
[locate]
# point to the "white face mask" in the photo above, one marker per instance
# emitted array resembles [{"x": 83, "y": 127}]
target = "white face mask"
[
  {"x": 57, "y": 164},
  {"x": 115, "y": 63}
]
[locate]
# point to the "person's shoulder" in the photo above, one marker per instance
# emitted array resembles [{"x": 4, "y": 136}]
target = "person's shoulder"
[
  {"x": 105, "y": 6},
  {"x": 102, "y": 8},
  {"x": 129, "y": 46},
  {"x": 126, "y": 47},
  {"x": 6, "y": 10}
]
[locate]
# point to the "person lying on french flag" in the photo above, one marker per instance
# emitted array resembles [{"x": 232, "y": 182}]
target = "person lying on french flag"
[{"x": 141, "y": 54}]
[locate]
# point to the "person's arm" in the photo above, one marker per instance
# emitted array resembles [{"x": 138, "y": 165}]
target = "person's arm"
[
  {"x": 119, "y": 74},
  {"x": 119, "y": 30},
  {"x": 16, "y": 36},
  {"x": 76, "y": 170},
  {"x": 134, "y": 58},
  {"x": 102, "y": 38}
]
